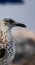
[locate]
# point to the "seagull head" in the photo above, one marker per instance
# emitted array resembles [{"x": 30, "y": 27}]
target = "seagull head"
[{"x": 11, "y": 23}]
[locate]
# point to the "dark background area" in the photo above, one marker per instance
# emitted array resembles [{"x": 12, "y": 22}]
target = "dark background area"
[{"x": 11, "y": 1}]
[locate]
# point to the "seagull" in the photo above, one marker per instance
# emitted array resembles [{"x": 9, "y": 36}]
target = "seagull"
[
  {"x": 12, "y": 32},
  {"x": 7, "y": 42}
]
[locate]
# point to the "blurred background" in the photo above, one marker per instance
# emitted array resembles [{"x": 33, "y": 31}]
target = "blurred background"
[{"x": 19, "y": 10}]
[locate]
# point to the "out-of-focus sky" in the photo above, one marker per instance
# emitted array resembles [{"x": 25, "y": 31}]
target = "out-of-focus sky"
[{"x": 24, "y": 13}]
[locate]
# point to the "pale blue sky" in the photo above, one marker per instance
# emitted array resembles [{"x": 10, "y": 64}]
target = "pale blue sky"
[{"x": 24, "y": 13}]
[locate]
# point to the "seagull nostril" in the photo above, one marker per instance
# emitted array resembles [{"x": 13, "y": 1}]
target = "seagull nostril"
[{"x": 2, "y": 52}]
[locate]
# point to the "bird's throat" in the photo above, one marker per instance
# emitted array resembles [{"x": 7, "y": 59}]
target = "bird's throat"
[{"x": 4, "y": 28}]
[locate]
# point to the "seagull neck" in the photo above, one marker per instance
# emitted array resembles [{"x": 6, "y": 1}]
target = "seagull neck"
[{"x": 3, "y": 28}]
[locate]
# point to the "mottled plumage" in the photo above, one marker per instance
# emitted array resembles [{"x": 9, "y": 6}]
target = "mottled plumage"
[{"x": 7, "y": 42}]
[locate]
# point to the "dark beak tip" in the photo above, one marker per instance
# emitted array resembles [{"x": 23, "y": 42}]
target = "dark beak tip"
[{"x": 21, "y": 25}]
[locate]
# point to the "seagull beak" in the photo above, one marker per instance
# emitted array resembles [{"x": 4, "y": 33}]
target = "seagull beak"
[{"x": 21, "y": 25}]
